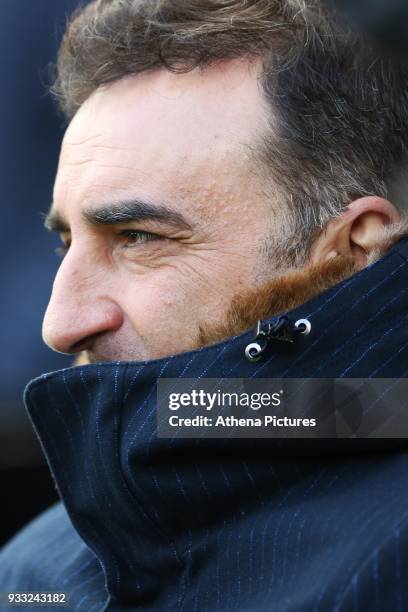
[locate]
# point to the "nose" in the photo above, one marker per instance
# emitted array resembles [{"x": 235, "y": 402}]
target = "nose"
[{"x": 79, "y": 309}]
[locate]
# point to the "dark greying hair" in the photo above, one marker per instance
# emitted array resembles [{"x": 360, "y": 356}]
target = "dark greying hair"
[{"x": 339, "y": 109}]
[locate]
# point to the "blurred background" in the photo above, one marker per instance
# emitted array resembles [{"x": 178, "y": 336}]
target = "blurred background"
[{"x": 31, "y": 132}]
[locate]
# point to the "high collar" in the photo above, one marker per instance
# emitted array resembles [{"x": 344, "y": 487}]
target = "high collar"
[{"x": 139, "y": 501}]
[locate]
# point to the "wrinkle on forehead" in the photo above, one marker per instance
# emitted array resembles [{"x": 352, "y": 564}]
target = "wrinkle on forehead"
[
  {"x": 224, "y": 98},
  {"x": 161, "y": 129}
]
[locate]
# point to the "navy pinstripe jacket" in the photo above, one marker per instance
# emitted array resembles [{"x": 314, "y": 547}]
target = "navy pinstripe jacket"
[{"x": 232, "y": 524}]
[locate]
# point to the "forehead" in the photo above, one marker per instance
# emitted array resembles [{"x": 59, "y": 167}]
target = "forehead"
[{"x": 160, "y": 128}]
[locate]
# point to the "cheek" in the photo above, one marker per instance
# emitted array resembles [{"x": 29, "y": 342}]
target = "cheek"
[
  {"x": 195, "y": 282},
  {"x": 170, "y": 300},
  {"x": 165, "y": 308},
  {"x": 153, "y": 302},
  {"x": 163, "y": 318},
  {"x": 153, "y": 297}
]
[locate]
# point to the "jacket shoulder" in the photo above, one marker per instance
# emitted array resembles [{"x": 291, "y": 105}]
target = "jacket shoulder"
[
  {"x": 49, "y": 555},
  {"x": 40, "y": 553}
]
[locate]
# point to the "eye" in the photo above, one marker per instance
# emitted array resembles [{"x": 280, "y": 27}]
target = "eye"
[
  {"x": 136, "y": 237},
  {"x": 132, "y": 238}
]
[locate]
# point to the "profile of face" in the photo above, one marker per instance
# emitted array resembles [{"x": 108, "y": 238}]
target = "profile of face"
[{"x": 162, "y": 217}]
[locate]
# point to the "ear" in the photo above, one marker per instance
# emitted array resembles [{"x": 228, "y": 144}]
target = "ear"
[{"x": 355, "y": 232}]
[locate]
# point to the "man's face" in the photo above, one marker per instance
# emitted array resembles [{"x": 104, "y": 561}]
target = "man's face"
[{"x": 163, "y": 213}]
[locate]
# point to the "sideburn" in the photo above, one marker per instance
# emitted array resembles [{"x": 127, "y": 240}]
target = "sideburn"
[
  {"x": 275, "y": 297},
  {"x": 292, "y": 288}
]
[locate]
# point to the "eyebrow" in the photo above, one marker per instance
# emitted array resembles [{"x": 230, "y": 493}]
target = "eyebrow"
[{"x": 118, "y": 213}]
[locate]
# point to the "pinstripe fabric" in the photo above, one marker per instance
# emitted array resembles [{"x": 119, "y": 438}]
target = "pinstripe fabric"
[{"x": 227, "y": 524}]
